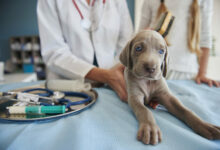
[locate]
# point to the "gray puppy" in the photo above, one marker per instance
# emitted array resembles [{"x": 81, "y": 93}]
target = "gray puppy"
[{"x": 145, "y": 58}]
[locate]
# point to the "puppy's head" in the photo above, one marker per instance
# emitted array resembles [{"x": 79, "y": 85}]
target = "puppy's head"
[{"x": 146, "y": 55}]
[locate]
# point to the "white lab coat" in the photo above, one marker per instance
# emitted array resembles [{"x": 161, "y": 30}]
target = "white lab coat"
[{"x": 67, "y": 48}]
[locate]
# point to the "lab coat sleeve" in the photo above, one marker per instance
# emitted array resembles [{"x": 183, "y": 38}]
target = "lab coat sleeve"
[
  {"x": 145, "y": 15},
  {"x": 126, "y": 28},
  {"x": 55, "y": 51},
  {"x": 206, "y": 11}
]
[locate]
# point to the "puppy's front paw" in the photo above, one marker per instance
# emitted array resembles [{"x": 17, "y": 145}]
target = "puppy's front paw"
[
  {"x": 149, "y": 133},
  {"x": 208, "y": 131}
]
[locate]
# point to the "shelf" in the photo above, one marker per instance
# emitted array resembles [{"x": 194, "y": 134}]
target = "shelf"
[{"x": 26, "y": 54}]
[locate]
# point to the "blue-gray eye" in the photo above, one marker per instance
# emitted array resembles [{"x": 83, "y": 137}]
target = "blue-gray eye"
[
  {"x": 161, "y": 51},
  {"x": 138, "y": 48}
]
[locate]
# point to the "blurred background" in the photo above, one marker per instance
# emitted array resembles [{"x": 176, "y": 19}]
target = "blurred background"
[{"x": 20, "y": 58}]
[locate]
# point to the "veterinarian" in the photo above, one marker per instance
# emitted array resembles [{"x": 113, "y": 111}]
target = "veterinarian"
[
  {"x": 190, "y": 36},
  {"x": 83, "y": 38}
]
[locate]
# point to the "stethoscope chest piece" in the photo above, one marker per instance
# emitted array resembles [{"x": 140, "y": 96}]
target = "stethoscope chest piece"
[
  {"x": 86, "y": 24},
  {"x": 58, "y": 95}
]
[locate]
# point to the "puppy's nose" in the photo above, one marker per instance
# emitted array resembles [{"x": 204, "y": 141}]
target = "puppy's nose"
[{"x": 150, "y": 69}]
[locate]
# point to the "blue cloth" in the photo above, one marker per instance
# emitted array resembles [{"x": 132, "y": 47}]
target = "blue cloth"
[{"x": 111, "y": 125}]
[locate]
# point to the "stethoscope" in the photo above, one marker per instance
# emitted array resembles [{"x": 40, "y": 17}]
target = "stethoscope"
[
  {"x": 85, "y": 22},
  {"x": 49, "y": 97}
]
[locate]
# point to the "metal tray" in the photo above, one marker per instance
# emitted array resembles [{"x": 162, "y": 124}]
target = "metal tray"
[{"x": 6, "y": 117}]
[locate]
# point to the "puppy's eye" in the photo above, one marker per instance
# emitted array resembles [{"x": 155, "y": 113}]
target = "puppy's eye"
[
  {"x": 161, "y": 51},
  {"x": 138, "y": 48}
]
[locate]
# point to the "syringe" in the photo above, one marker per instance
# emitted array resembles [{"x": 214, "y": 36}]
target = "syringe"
[{"x": 37, "y": 109}]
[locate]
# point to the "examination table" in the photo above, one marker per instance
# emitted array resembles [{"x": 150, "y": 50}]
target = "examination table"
[{"x": 110, "y": 124}]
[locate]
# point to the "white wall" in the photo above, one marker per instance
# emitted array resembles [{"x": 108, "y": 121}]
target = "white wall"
[{"x": 216, "y": 25}]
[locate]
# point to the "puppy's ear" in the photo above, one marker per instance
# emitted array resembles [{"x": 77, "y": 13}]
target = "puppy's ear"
[
  {"x": 125, "y": 56},
  {"x": 164, "y": 64}
]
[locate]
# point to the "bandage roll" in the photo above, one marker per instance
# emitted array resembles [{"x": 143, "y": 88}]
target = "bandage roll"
[
  {"x": 16, "y": 110},
  {"x": 68, "y": 85}
]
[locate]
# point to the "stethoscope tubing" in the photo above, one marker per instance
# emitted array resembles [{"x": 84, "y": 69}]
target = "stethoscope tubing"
[
  {"x": 68, "y": 102},
  {"x": 47, "y": 94},
  {"x": 75, "y": 94}
]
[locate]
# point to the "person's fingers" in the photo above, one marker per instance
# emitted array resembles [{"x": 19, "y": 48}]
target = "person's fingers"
[
  {"x": 198, "y": 80},
  {"x": 119, "y": 88},
  {"x": 124, "y": 97},
  {"x": 117, "y": 82},
  {"x": 207, "y": 81},
  {"x": 216, "y": 83},
  {"x": 123, "y": 84},
  {"x": 121, "y": 93},
  {"x": 123, "y": 89},
  {"x": 210, "y": 83},
  {"x": 122, "y": 68}
]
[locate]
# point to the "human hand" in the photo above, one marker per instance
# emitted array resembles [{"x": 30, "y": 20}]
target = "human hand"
[
  {"x": 115, "y": 79},
  {"x": 203, "y": 79}
]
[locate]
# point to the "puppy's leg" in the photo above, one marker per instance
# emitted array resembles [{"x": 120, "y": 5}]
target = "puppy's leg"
[
  {"x": 176, "y": 108},
  {"x": 149, "y": 132}
]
